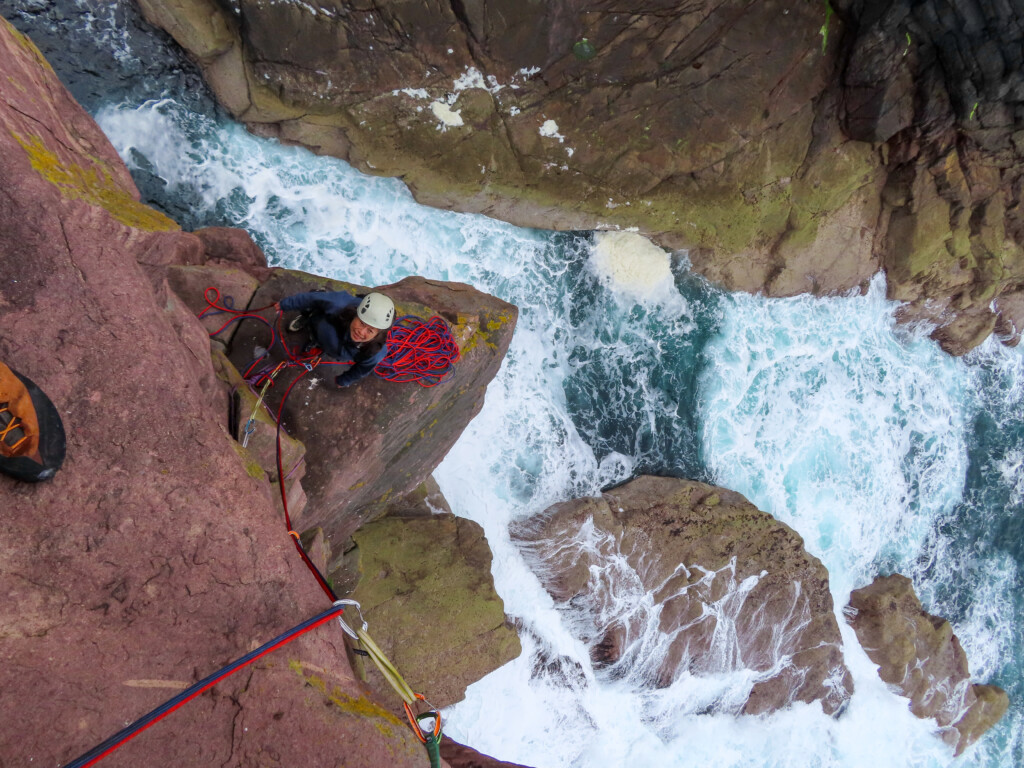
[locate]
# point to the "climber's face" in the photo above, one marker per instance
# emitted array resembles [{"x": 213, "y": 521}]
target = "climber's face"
[{"x": 361, "y": 332}]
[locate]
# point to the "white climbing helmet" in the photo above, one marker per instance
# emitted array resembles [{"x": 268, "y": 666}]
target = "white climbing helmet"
[{"x": 377, "y": 311}]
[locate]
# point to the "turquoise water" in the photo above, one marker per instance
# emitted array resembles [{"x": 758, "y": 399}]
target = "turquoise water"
[{"x": 884, "y": 453}]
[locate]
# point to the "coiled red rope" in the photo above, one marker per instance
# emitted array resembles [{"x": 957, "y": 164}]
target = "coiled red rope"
[
  {"x": 419, "y": 350},
  {"x": 213, "y": 308}
]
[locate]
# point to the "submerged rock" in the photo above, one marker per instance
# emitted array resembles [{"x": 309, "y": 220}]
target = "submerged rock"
[
  {"x": 919, "y": 654},
  {"x": 726, "y": 586}
]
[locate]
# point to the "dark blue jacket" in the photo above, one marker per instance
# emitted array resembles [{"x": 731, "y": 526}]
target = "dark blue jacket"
[{"x": 331, "y": 331}]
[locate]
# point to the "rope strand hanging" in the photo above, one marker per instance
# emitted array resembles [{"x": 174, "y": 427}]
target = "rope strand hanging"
[{"x": 420, "y": 351}]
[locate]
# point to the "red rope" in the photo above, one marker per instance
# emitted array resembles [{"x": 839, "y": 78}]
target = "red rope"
[
  {"x": 423, "y": 351},
  {"x": 125, "y": 735},
  {"x": 284, "y": 500},
  {"x": 213, "y": 308},
  {"x": 419, "y": 350}
]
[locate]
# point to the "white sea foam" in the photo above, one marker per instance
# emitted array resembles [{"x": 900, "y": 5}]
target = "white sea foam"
[
  {"x": 632, "y": 266},
  {"x": 549, "y": 130},
  {"x": 829, "y": 421}
]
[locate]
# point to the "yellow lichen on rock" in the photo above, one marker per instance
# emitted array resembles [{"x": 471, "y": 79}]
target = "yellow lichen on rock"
[
  {"x": 361, "y": 707},
  {"x": 95, "y": 185},
  {"x": 31, "y": 48}
]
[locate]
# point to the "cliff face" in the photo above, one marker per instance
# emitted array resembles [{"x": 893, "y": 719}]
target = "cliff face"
[
  {"x": 938, "y": 88},
  {"x": 851, "y": 137},
  {"x": 379, "y": 440},
  {"x": 156, "y": 555}
]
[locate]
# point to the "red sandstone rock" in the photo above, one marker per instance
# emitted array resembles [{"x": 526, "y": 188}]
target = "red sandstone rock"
[
  {"x": 460, "y": 756},
  {"x": 153, "y": 558},
  {"x": 378, "y": 440},
  {"x": 227, "y": 245}
]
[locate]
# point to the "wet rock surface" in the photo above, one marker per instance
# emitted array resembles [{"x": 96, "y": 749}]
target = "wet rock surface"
[
  {"x": 732, "y": 589},
  {"x": 919, "y": 654}
]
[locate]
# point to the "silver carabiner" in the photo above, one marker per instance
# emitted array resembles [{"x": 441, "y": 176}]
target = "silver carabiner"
[
  {"x": 250, "y": 427},
  {"x": 345, "y": 627}
]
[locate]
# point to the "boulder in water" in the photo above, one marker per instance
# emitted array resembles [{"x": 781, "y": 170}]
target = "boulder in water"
[
  {"x": 919, "y": 654},
  {"x": 729, "y": 588}
]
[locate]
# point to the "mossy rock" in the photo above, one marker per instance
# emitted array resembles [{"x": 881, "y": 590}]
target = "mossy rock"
[{"x": 427, "y": 594}]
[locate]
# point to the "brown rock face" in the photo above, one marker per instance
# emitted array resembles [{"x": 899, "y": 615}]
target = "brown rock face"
[
  {"x": 919, "y": 654},
  {"x": 941, "y": 86},
  {"x": 684, "y": 120},
  {"x": 735, "y": 588},
  {"x": 855, "y": 137},
  {"x": 460, "y": 756},
  {"x": 155, "y": 556}
]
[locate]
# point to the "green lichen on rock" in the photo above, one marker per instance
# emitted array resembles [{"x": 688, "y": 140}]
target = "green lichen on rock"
[
  {"x": 94, "y": 184},
  {"x": 252, "y": 467},
  {"x": 830, "y": 179},
  {"x": 427, "y": 594},
  {"x": 473, "y": 332}
]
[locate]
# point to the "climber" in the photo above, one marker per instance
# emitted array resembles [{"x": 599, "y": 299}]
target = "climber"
[{"x": 347, "y": 328}]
